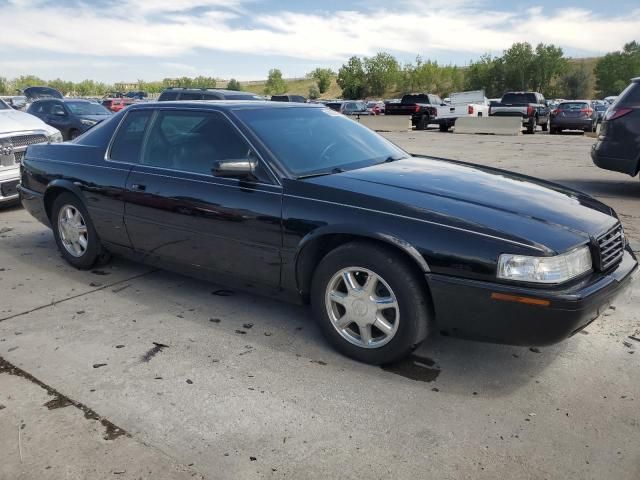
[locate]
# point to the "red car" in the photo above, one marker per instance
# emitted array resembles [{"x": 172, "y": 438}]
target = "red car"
[
  {"x": 377, "y": 108},
  {"x": 117, "y": 104}
]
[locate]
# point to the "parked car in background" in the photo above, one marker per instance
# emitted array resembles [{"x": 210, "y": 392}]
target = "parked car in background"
[
  {"x": 334, "y": 105},
  {"x": 288, "y": 98},
  {"x": 305, "y": 204},
  {"x": 461, "y": 104},
  {"x": 117, "y": 104},
  {"x": 354, "y": 108},
  {"x": 35, "y": 93},
  {"x": 182, "y": 94},
  {"x": 138, "y": 95},
  {"x": 601, "y": 109},
  {"x": 17, "y": 102},
  {"x": 376, "y": 107},
  {"x": 529, "y": 106},
  {"x": 71, "y": 116},
  {"x": 573, "y": 115},
  {"x": 422, "y": 107},
  {"x": 18, "y": 130},
  {"x": 618, "y": 145}
]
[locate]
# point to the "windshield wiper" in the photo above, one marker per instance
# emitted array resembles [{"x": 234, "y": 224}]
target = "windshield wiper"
[
  {"x": 321, "y": 174},
  {"x": 393, "y": 158}
]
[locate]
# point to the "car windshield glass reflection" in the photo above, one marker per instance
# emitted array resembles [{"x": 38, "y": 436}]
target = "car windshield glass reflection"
[
  {"x": 316, "y": 140},
  {"x": 87, "y": 108}
]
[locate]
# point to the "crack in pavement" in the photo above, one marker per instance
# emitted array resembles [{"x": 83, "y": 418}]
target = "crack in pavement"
[
  {"x": 73, "y": 297},
  {"x": 60, "y": 400}
]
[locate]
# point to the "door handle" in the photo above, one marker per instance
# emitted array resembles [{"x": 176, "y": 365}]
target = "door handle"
[{"x": 138, "y": 187}]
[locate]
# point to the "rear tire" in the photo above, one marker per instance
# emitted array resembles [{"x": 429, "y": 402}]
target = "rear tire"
[
  {"x": 423, "y": 123},
  {"x": 531, "y": 126},
  {"x": 357, "y": 283},
  {"x": 444, "y": 127},
  {"x": 545, "y": 127},
  {"x": 74, "y": 232}
]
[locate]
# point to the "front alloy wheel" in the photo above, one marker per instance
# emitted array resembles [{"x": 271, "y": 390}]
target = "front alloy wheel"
[
  {"x": 370, "y": 302},
  {"x": 362, "y": 307}
]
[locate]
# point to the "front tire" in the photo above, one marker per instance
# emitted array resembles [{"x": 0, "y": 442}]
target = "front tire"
[
  {"x": 545, "y": 127},
  {"x": 74, "y": 232},
  {"x": 370, "y": 303},
  {"x": 531, "y": 126}
]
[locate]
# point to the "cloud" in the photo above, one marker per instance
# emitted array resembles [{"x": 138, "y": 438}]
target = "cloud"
[{"x": 148, "y": 28}]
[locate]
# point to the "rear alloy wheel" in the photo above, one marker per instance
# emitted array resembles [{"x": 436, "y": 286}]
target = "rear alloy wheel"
[
  {"x": 369, "y": 303},
  {"x": 73, "y": 230}
]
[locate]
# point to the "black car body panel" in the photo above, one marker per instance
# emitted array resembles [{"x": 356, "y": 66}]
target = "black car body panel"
[
  {"x": 452, "y": 220},
  {"x": 191, "y": 94},
  {"x": 618, "y": 146}
]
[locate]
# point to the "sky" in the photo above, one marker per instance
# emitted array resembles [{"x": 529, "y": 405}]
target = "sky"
[{"x": 127, "y": 40}]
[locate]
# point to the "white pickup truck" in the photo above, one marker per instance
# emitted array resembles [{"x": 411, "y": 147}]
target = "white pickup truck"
[
  {"x": 426, "y": 108},
  {"x": 462, "y": 104},
  {"x": 18, "y": 130}
]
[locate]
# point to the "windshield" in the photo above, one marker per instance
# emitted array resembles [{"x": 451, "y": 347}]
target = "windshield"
[
  {"x": 519, "y": 98},
  {"x": 317, "y": 140},
  {"x": 87, "y": 108}
]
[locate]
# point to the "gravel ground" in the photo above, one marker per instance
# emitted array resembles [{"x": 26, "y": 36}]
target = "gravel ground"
[{"x": 127, "y": 372}]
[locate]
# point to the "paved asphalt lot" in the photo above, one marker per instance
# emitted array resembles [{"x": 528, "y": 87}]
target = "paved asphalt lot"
[{"x": 240, "y": 386}]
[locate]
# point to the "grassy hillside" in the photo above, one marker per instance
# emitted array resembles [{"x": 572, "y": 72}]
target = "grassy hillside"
[{"x": 294, "y": 87}]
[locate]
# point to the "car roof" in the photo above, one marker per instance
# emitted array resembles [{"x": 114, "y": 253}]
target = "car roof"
[
  {"x": 214, "y": 90},
  {"x": 225, "y": 104}
]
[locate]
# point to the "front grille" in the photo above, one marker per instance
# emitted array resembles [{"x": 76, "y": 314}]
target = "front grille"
[
  {"x": 611, "y": 247},
  {"x": 25, "y": 140},
  {"x": 12, "y": 149}
]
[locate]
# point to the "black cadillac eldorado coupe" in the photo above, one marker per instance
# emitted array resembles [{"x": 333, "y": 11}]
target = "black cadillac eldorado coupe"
[{"x": 308, "y": 204}]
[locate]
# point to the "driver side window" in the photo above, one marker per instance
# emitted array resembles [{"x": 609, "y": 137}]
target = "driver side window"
[{"x": 192, "y": 141}]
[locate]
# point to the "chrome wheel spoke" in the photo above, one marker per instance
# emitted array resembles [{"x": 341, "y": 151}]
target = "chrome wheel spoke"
[
  {"x": 386, "y": 302},
  {"x": 344, "y": 321},
  {"x": 73, "y": 231},
  {"x": 383, "y": 325},
  {"x": 365, "y": 334},
  {"x": 82, "y": 241},
  {"x": 350, "y": 281},
  {"x": 338, "y": 297},
  {"x": 370, "y": 284}
]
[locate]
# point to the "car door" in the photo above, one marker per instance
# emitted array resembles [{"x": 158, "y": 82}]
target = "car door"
[
  {"x": 59, "y": 117},
  {"x": 178, "y": 211}
]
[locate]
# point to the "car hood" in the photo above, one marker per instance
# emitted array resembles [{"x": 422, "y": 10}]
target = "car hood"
[
  {"x": 16, "y": 121},
  {"x": 481, "y": 199},
  {"x": 95, "y": 118}
]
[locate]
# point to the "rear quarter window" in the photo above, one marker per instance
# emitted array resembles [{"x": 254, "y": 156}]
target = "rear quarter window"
[
  {"x": 630, "y": 97},
  {"x": 519, "y": 98}
]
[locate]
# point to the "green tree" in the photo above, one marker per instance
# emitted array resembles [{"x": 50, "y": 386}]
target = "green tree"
[
  {"x": 487, "y": 73},
  {"x": 4, "y": 86},
  {"x": 275, "y": 84},
  {"x": 381, "y": 73},
  {"x": 234, "y": 85},
  {"x": 576, "y": 83},
  {"x": 323, "y": 77},
  {"x": 548, "y": 64},
  {"x": 314, "y": 92},
  {"x": 518, "y": 62},
  {"x": 615, "y": 69},
  {"x": 351, "y": 79}
]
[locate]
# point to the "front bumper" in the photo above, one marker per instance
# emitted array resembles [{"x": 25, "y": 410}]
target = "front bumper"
[
  {"x": 465, "y": 308},
  {"x": 9, "y": 180}
]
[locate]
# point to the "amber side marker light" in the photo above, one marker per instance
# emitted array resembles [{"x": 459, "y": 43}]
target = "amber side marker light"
[{"x": 515, "y": 298}]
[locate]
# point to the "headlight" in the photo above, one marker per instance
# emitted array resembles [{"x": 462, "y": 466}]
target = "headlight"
[
  {"x": 87, "y": 122},
  {"x": 55, "y": 138},
  {"x": 545, "y": 269}
]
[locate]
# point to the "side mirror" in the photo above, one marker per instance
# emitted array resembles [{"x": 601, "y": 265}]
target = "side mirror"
[{"x": 244, "y": 168}]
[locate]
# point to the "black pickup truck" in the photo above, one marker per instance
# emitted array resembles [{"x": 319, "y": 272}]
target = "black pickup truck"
[
  {"x": 423, "y": 108},
  {"x": 529, "y": 106}
]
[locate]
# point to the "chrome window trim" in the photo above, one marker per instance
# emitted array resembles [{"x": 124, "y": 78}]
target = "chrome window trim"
[
  {"x": 154, "y": 112},
  {"x": 418, "y": 220}
]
